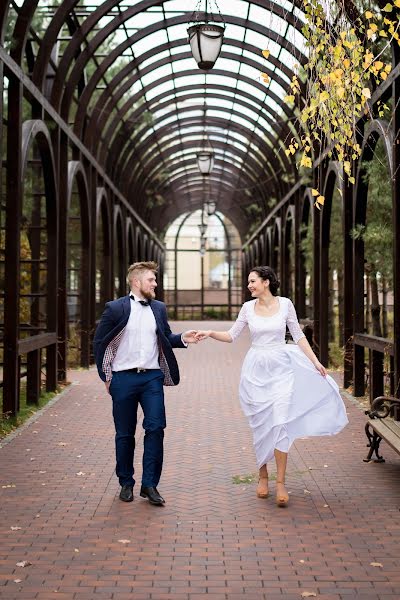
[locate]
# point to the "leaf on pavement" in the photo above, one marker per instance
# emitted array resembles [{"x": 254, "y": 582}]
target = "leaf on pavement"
[{"x": 23, "y": 563}]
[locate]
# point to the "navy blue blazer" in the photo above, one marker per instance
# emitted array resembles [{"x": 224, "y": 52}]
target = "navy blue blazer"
[{"x": 109, "y": 333}]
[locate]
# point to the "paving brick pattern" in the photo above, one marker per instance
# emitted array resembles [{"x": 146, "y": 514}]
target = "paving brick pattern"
[{"x": 213, "y": 537}]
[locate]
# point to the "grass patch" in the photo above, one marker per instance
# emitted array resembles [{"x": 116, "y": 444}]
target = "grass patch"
[
  {"x": 250, "y": 478},
  {"x": 9, "y": 423},
  {"x": 253, "y": 477}
]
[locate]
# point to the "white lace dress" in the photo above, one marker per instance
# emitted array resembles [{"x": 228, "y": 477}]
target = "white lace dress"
[{"x": 281, "y": 392}]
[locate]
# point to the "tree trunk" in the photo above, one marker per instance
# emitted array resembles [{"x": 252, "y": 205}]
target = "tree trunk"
[{"x": 375, "y": 307}]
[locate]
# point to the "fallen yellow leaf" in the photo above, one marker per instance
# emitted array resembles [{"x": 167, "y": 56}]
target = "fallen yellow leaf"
[{"x": 266, "y": 53}]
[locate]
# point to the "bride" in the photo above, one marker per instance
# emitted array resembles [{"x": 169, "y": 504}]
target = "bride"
[{"x": 284, "y": 390}]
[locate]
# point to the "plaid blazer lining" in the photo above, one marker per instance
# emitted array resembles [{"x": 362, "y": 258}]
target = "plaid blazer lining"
[{"x": 111, "y": 352}]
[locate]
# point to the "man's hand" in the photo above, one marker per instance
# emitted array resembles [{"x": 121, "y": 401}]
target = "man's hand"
[
  {"x": 202, "y": 335},
  {"x": 107, "y": 384},
  {"x": 189, "y": 337}
]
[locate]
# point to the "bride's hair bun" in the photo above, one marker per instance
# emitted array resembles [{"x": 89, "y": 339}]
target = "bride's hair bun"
[{"x": 268, "y": 273}]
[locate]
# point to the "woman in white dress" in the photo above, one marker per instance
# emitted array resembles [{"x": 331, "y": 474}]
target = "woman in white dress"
[{"x": 284, "y": 390}]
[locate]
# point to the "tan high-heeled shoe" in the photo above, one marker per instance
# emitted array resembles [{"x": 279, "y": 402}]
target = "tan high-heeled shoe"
[
  {"x": 262, "y": 490},
  {"x": 282, "y": 499}
]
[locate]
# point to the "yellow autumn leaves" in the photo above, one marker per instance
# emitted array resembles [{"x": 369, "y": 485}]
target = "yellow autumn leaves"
[
  {"x": 339, "y": 71},
  {"x": 264, "y": 76}
]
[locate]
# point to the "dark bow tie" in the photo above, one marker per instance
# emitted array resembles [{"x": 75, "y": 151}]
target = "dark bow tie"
[{"x": 142, "y": 302}]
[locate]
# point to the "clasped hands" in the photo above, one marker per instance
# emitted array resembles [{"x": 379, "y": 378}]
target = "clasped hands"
[{"x": 193, "y": 336}]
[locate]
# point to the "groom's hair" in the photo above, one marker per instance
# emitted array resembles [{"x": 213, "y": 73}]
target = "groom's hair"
[{"x": 139, "y": 268}]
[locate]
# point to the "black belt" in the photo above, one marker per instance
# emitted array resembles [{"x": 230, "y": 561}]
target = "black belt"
[{"x": 135, "y": 370}]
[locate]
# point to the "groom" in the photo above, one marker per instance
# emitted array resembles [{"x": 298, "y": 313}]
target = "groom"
[{"x": 133, "y": 351}]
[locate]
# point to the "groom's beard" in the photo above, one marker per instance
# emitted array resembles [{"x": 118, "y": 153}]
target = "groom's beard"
[{"x": 148, "y": 295}]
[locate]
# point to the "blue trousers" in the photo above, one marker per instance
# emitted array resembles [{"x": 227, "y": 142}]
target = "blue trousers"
[{"x": 129, "y": 389}]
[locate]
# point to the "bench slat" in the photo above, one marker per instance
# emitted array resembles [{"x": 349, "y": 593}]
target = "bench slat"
[{"x": 387, "y": 432}]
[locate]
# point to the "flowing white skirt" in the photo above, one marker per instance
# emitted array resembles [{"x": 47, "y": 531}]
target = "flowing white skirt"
[{"x": 284, "y": 397}]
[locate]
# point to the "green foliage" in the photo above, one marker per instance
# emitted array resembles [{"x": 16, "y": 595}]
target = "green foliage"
[
  {"x": 377, "y": 233},
  {"x": 9, "y": 424}
]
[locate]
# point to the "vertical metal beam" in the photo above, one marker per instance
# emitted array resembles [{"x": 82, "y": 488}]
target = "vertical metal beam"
[
  {"x": 298, "y": 272},
  {"x": 396, "y": 233},
  {"x": 347, "y": 221},
  {"x": 12, "y": 250},
  {"x": 323, "y": 287},
  {"x": 62, "y": 153},
  {"x": 316, "y": 220}
]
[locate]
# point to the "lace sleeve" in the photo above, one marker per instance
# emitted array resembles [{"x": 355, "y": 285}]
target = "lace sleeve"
[
  {"x": 293, "y": 323},
  {"x": 239, "y": 324}
]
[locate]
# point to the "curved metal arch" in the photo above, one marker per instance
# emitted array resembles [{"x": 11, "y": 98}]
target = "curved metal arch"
[
  {"x": 194, "y": 196},
  {"x": 167, "y": 126},
  {"x": 21, "y": 30},
  {"x": 102, "y": 197},
  {"x": 193, "y": 176},
  {"x": 145, "y": 243},
  {"x": 106, "y": 101},
  {"x": 216, "y": 135},
  {"x": 374, "y": 130},
  {"x": 130, "y": 239},
  {"x": 212, "y": 121},
  {"x": 35, "y": 129},
  {"x": 4, "y": 8},
  {"x": 239, "y": 94},
  {"x": 137, "y": 242},
  {"x": 383, "y": 130},
  {"x": 307, "y": 197},
  {"x": 76, "y": 171},
  {"x": 196, "y": 200},
  {"x": 118, "y": 222},
  {"x": 333, "y": 173},
  {"x": 154, "y": 165},
  {"x": 188, "y": 160},
  {"x": 219, "y": 169},
  {"x": 163, "y": 216},
  {"x": 189, "y": 123},
  {"x": 268, "y": 114},
  {"x": 84, "y": 101},
  {"x": 279, "y": 131},
  {"x": 79, "y": 37},
  {"x": 66, "y": 6},
  {"x": 100, "y": 37},
  {"x": 114, "y": 150},
  {"x": 290, "y": 213}
]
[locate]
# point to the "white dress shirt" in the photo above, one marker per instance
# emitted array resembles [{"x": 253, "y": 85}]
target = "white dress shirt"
[{"x": 138, "y": 346}]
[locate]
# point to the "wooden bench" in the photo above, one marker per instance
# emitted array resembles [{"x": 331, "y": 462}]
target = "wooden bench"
[{"x": 381, "y": 426}]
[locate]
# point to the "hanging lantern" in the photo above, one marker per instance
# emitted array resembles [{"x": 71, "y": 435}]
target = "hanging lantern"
[
  {"x": 206, "y": 42},
  {"x": 205, "y": 161},
  {"x": 206, "y": 37},
  {"x": 211, "y": 207}
]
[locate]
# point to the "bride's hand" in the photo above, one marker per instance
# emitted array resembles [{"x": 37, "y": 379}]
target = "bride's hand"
[
  {"x": 320, "y": 368},
  {"x": 202, "y": 335}
]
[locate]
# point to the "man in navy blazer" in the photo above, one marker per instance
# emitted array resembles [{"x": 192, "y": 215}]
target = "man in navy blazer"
[{"x": 134, "y": 357}]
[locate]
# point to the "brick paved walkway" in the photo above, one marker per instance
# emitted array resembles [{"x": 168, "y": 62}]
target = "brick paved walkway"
[{"x": 213, "y": 537}]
